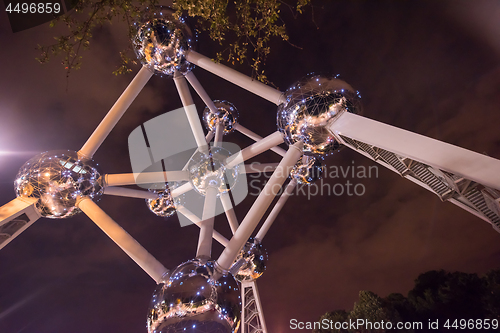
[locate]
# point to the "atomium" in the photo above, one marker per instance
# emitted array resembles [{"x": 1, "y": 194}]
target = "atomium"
[
  {"x": 310, "y": 106},
  {"x": 162, "y": 41},
  {"x": 317, "y": 115},
  {"x": 251, "y": 261},
  {"x": 226, "y": 113},
  {"x": 208, "y": 169},
  {"x": 57, "y": 179},
  {"x": 307, "y": 170},
  {"x": 195, "y": 298}
]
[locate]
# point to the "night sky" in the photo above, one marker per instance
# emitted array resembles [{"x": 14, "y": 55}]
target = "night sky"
[{"x": 431, "y": 67}]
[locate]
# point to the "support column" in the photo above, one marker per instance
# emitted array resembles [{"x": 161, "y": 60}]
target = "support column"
[
  {"x": 15, "y": 217},
  {"x": 252, "y": 316}
]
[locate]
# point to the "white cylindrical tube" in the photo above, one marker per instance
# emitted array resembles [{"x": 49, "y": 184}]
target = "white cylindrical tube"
[
  {"x": 219, "y": 132},
  {"x": 210, "y": 135},
  {"x": 130, "y": 193},
  {"x": 115, "y": 113},
  {"x": 120, "y": 179},
  {"x": 245, "y": 82},
  {"x": 187, "y": 102},
  {"x": 229, "y": 210},
  {"x": 245, "y": 131},
  {"x": 193, "y": 81},
  {"x": 207, "y": 225},
  {"x": 258, "y": 147},
  {"x": 259, "y": 207},
  {"x": 183, "y": 89},
  {"x": 276, "y": 210},
  {"x": 196, "y": 220},
  {"x": 126, "y": 242},
  {"x": 181, "y": 189}
]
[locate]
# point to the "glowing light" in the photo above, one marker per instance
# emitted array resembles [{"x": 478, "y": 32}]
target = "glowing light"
[{"x": 18, "y": 153}]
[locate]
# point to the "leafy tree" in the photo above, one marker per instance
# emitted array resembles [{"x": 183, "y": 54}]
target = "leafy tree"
[
  {"x": 491, "y": 298},
  {"x": 441, "y": 295},
  {"x": 334, "y": 317},
  {"x": 242, "y": 29},
  {"x": 424, "y": 296},
  {"x": 436, "y": 295},
  {"x": 370, "y": 307},
  {"x": 399, "y": 306}
]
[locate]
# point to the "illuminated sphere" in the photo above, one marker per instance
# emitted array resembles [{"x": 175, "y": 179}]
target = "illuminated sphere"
[
  {"x": 162, "y": 206},
  {"x": 226, "y": 112},
  {"x": 56, "y": 179},
  {"x": 209, "y": 170},
  {"x": 307, "y": 170},
  {"x": 162, "y": 42},
  {"x": 255, "y": 259},
  {"x": 310, "y": 107},
  {"x": 195, "y": 298}
]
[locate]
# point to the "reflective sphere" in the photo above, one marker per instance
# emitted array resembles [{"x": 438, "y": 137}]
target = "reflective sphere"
[
  {"x": 208, "y": 170},
  {"x": 255, "y": 259},
  {"x": 227, "y": 113},
  {"x": 195, "y": 298},
  {"x": 162, "y": 42},
  {"x": 307, "y": 170},
  {"x": 56, "y": 179},
  {"x": 164, "y": 205},
  {"x": 310, "y": 106}
]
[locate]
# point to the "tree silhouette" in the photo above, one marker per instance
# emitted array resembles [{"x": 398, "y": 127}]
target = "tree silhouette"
[
  {"x": 436, "y": 295},
  {"x": 242, "y": 29}
]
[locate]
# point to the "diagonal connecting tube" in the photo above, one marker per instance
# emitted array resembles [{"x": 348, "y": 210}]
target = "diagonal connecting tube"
[
  {"x": 276, "y": 210},
  {"x": 192, "y": 115},
  {"x": 126, "y": 242},
  {"x": 255, "y": 137},
  {"x": 196, "y": 220},
  {"x": 245, "y": 82},
  {"x": 207, "y": 225},
  {"x": 229, "y": 210},
  {"x": 193, "y": 81},
  {"x": 257, "y": 148},
  {"x": 115, "y": 113},
  {"x": 259, "y": 207}
]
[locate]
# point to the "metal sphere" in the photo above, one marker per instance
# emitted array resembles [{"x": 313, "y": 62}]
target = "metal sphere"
[
  {"x": 164, "y": 205},
  {"x": 252, "y": 260},
  {"x": 195, "y": 298},
  {"x": 307, "y": 170},
  {"x": 57, "y": 179},
  {"x": 309, "y": 108},
  {"x": 207, "y": 169},
  {"x": 162, "y": 42},
  {"x": 226, "y": 112}
]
